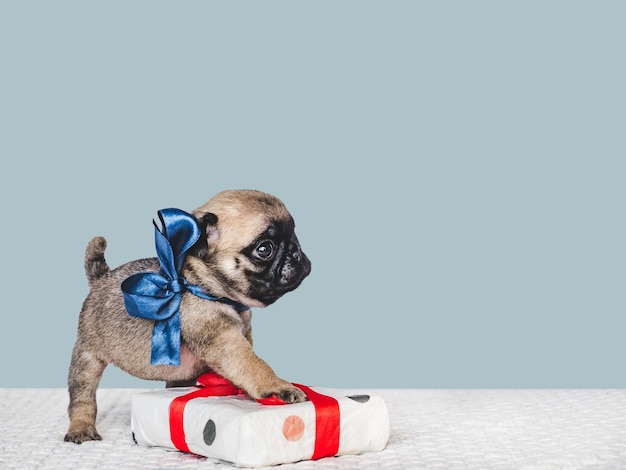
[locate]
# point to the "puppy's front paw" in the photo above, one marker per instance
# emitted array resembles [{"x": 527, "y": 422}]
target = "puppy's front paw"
[{"x": 288, "y": 393}]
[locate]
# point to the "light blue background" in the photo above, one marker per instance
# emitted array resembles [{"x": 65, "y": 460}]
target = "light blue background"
[{"x": 456, "y": 171}]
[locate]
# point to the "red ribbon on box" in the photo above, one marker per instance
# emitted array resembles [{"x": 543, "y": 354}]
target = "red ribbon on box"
[{"x": 327, "y": 416}]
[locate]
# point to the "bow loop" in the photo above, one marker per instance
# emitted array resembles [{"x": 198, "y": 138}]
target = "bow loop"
[
  {"x": 157, "y": 296},
  {"x": 147, "y": 295},
  {"x": 179, "y": 233}
]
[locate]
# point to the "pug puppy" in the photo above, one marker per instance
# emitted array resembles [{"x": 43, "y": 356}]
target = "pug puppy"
[{"x": 248, "y": 252}]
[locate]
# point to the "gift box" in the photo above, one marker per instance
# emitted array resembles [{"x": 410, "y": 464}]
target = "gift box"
[{"x": 220, "y": 422}]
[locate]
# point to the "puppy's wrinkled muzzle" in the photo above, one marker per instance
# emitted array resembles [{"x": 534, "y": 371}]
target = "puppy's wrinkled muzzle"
[
  {"x": 294, "y": 270},
  {"x": 288, "y": 275}
]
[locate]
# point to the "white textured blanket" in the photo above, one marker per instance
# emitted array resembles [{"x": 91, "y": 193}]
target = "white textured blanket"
[{"x": 433, "y": 429}]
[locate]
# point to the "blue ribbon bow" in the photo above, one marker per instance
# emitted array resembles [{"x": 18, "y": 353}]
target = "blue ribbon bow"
[{"x": 157, "y": 296}]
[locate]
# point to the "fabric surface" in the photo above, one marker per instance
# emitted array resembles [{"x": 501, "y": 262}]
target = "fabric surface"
[{"x": 433, "y": 429}]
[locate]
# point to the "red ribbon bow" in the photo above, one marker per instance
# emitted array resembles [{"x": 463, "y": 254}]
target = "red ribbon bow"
[{"x": 327, "y": 416}]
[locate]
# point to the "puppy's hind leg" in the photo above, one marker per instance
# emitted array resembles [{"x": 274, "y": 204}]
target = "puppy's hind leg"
[{"x": 84, "y": 377}]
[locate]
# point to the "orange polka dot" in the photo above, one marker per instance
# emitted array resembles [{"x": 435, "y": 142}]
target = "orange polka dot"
[{"x": 293, "y": 428}]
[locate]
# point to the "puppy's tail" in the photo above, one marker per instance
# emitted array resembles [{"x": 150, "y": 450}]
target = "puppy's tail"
[{"x": 95, "y": 264}]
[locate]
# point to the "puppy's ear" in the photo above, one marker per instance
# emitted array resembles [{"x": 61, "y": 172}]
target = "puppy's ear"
[{"x": 208, "y": 228}]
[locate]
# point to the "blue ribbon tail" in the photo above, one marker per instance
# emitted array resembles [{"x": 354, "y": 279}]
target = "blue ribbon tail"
[
  {"x": 166, "y": 342},
  {"x": 146, "y": 296}
]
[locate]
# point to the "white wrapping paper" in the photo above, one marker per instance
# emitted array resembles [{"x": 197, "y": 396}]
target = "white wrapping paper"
[{"x": 239, "y": 430}]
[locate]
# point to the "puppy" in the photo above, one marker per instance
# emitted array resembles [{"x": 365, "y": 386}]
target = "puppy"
[{"x": 248, "y": 252}]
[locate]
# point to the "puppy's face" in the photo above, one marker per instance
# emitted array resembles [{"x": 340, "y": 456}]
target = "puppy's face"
[{"x": 250, "y": 247}]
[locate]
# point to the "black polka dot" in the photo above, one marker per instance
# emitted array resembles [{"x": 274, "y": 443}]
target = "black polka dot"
[
  {"x": 360, "y": 398},
  {"x": 209, "y": 432}
]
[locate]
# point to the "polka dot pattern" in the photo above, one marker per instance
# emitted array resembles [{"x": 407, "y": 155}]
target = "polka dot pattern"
[
  {"x": 360, "y": 398},
  {"x": 209, "y": 432},
  {"x": 293, "y": 428}
]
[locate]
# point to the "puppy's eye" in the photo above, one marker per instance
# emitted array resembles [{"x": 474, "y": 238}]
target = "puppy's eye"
[{"x": 265, "y": 250}]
